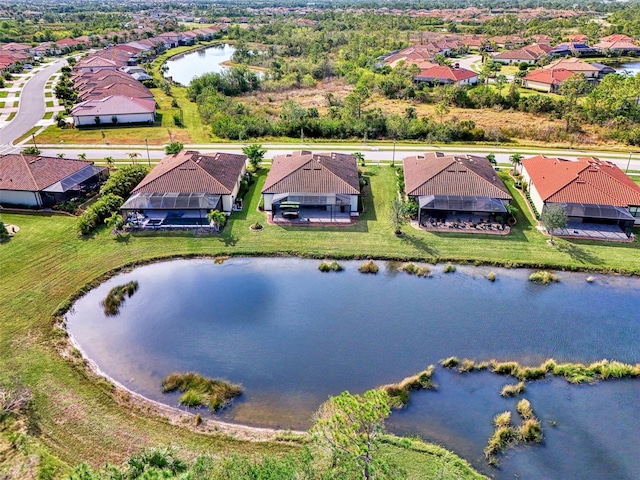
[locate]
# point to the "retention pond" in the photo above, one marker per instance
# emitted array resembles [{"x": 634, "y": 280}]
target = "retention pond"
[{"x": 292, "y": 336}]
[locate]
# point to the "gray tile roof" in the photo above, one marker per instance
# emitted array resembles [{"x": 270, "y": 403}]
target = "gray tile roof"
[{"x": 34, "y": 173}]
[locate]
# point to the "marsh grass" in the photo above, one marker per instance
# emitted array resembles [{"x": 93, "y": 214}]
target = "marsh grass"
[
  {"x": 200, "y": 391},
  {"x": 116, "y": 296},
  {"x": 544, "y": 277},
  {"x": 491, "y": 276},
  {"x": 221, "y": 260},
  {"x": 449, "y": 268},
  {"x": 512, "y": 390},
  {"x": 368, "y": 267},
  {"x": 506, "y": 435},
  {"x": 400, "y": 393},
  {"x": 413, "y": 269},
  {"x": 330, "y": 267},
  {"x": 572, "y": 372}
]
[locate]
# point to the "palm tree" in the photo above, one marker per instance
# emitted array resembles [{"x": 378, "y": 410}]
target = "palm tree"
[
  {"x": 133, "y": 156},
  {"x": 359, "y": 157},
  {"x": 60, "y": 155},
  {"x": 82, "y": 156},
  {"x": 109, "y": 161},
  {"x": 516, "y": 160}
]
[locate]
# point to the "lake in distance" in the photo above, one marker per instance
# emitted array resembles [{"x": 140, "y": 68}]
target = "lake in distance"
[
  {"x": 293, "y": 336},
  {"x": 184, "y": 68}
]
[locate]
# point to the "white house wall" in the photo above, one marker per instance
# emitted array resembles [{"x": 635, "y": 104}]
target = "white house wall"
[
  {"x": 268, "y": 201},
  {"x": 542, "y": 87},
  {"x": 354, "y": 204},
  {"x": 108, "y": 119},
  {"x": 20, "y": 197}
]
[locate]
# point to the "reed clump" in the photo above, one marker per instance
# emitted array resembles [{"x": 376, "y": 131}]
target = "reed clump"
[
  {"x": 330, "y": 267},
  {"x": 413, "y": 269},
  {"x": 451, "y": 362},
  {"x": 201, "y": 391},
  {"x": 512, "y": 390},
  {"x": 491, "y": 276},
  {"x": 368, "y": 267},
  {"x": 506, "y": 435},
  {"x": 591, "y": 279},
  {"x": 399, "y": 393},
  {"x": 449, "y": 268},
  {"x": 116, "y": 297},
  {"x": 543, "y": 276}
]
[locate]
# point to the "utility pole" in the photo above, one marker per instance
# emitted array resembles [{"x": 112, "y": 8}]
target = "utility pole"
[
  {"x": 33, "y": 137},
  {"x": 628, "y": 162},
  {"x": 146, "y": 142},
  {"x": 393, "y": 159}
]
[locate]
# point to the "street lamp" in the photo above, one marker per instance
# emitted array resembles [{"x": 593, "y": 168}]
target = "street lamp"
[
  {"x": 393, "y": 159},
  {"x": 33, "y": 137},
  {"x": 146, "y": 142},
  {"x": 628, "y": 162}
]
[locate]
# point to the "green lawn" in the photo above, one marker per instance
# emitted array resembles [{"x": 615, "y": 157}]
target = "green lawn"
[
  {"x": 46, "y": 264},
  {"x": 11, "y": 115},
  {"x": 3, "y": 94},
  {"x": 47, "y": 115},
  {"x": 49, "y": 103},
  {"x": 48, "y": 94}
]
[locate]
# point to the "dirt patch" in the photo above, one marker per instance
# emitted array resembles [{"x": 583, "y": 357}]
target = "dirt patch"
[{"x": 306, "y": 97}]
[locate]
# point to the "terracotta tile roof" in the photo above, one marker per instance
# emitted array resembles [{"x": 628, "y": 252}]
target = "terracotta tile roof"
[
  {"x": 572, "y": 64},
  {"x": 307, "y": 172},
  {"x": 191, "y": 172},
  {"x": 551, "y": 77},
  {"x": 114, "y": 105},
  {"x": 617, "y": 45},
  {"x": 442, "y": 72},
  {"x": 617, "y": 37},
  {"x": 103, "y": 90},
  {"x": 587, "y": 180},
  {"x": 435, "y": 173},
  {"x": 96, "y": 61},
  {"x": 34, "y": 173}
]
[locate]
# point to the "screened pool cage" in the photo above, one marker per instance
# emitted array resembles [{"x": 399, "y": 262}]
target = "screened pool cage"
[
  {"x": 170, "y": 209},
  {"x": 456, "y": 203}
]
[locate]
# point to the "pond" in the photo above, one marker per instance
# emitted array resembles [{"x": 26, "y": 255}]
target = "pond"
[
  {"x": 632, "y": 67},
  {"x": 292, "y": 336},
  {"x": 184, "y": 68}
]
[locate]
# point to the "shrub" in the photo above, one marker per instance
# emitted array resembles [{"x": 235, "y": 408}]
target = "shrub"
[
  {"x": 544, "y": 277},
  {"x": 173, "y": 147},
  {"x": 368, "y": 267},
  {"x": 198, "y": 390},
  {"x": 98, "y": 212},
  {"x": 31, "y": 150},
  {"x": 123, "y": 180},
  {"x": 330, "y": 267},
  {"x": 449, "y": 268},
  {"x": 4, "y": 233},
  {"x": 413, "y": 269}
]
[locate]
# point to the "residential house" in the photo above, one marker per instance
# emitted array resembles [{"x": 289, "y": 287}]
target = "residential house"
[
  {"x": 591, "y": 190},
  {"x": 94, "y": 63},
  {"x": 114, "y": 109},
  {"x": 528, "y": 54},
  {"x": 454, "y": 186},
  {"x": 576, "y": 49},
  {"x": 618, "y": 44},
  {"x": 183, "y": 188},
  {"x": 546, "y": 80},
  {"x": 327, "y": 184},
  {"x": 576, "y": 66},
  {"x": 35, "y": 181},
  {"x": 443, "y": 74}
]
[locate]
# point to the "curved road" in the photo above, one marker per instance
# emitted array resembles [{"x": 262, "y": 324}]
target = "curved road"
[{"x": 31, "y": 107}]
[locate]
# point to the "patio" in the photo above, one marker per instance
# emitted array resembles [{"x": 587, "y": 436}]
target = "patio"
[
  {"x": 593, "y": 231},
  {"x": 313, "y": 216}
]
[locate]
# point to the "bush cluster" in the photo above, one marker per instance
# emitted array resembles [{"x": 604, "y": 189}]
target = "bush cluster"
[{"x": 97, "y": 213}]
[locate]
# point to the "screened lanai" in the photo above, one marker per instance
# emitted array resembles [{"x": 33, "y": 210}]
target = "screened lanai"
[
  {"x": 586, "y": 213},
  {"x": 172, "y": 208},
  {"x": 453, "y": 203}
]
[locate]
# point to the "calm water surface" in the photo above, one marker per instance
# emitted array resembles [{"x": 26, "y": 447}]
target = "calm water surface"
[
  {"x": 191, "y": 65},
  {"x": 293, "y": 336},
  {"x": 633, "y": 67}
]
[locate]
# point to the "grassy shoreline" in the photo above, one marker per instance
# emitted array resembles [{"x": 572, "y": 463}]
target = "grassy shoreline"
[{"x": 46, "y": 266}]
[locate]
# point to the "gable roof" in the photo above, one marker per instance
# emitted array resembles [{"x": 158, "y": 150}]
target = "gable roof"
[
  {"x": 587, "y": 180},
  {"x": 435, "y": 173},
  {"x": 554, "y": 76},
  {"x": 572, "y": 64},
  {"x": 114, "y": 105},
  {"x": 191, "y": 172},
  {"x": 34, "y": 173},
  {"x": 307, "y": 172}
]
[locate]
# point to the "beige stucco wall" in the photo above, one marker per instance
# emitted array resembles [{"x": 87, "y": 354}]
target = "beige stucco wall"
[{"x": 542, "y": 87}]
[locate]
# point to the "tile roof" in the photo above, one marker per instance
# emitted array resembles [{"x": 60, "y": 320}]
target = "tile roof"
[
  {"x": 435, "y": 173},
  {"x": 114, "y": 105},
  {"x": 587, "y": 180},
  {"x": 191, "y": 172},
  {"x": 572, "y": 64},
  {"x": 134, "y": 89},
  {"x": 307, "y": 172},
  {"x": 443, "y": 72},
  {"x": 551, "y": 77},
  {"x": 34, "y": 173}
]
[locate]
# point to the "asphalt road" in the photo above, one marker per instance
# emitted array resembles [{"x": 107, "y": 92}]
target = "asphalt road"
[
  {"x": 374, "y": 154},
  {"x": 32, "y": 104}
]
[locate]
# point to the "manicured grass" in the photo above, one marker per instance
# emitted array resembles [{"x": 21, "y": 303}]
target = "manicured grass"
[
  {"x": 49, "y": 103},
  {"x": 11, "y": 115},
  {"x": 28, "y": 134},
  {"x": 48, "y": 94},
  {"x": 46, "y": 263},
  {"x": 1, "y": 104},
  {"x": 3, "y": 94},
  {"x": 47, "y": 115}
]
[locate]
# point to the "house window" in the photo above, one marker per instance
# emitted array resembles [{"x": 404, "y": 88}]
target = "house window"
[{"x": 635, "y": 211}]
